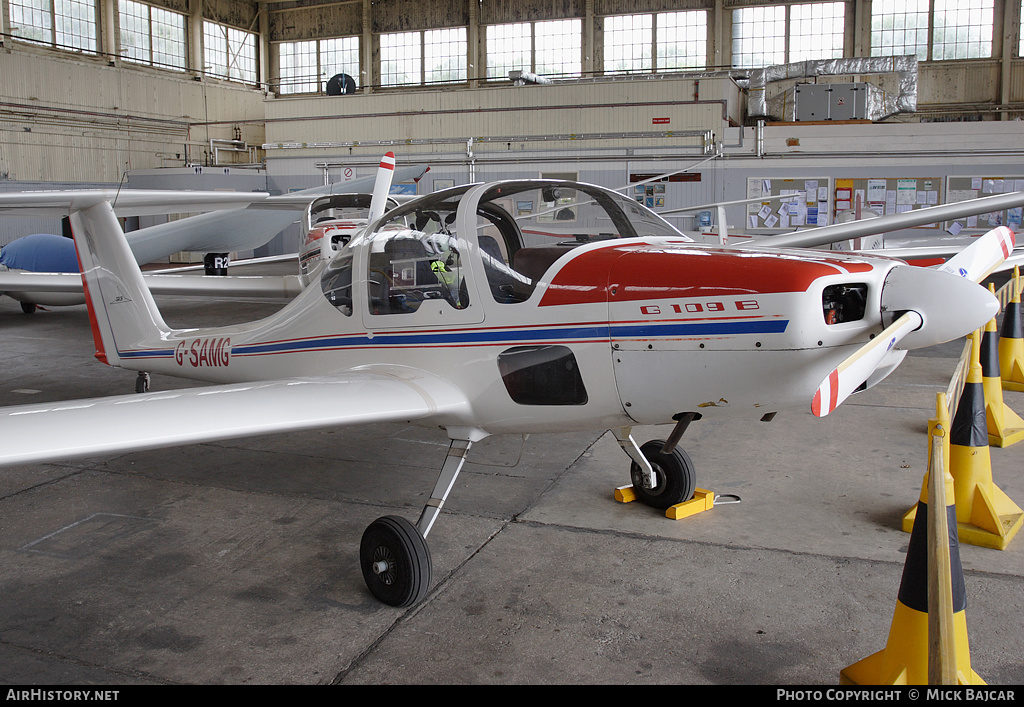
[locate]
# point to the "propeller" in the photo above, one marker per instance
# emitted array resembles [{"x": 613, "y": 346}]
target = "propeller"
[
  {"x": 849, "y": 375},
  {"x": 983, "y": 256},
  {"x": 382, "y": 186},
  {"x": 933, "y": 306}
]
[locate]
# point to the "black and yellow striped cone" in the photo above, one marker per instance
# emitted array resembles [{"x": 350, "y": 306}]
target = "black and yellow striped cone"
[
  {"x": 1011, "y": 341},
  {"x": 985, "y": 515},
  {"x": 905, "y": 658},
  {"x": 1005, "y": 427}
]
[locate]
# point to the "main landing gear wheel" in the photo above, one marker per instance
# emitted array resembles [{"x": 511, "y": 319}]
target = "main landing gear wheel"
[
  {"x": 28, "y": 308},
  {"x": 674, "y": 473},
  {"x": 395, "y": 561}
]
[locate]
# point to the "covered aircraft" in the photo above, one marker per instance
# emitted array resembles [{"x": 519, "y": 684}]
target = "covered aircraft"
[{"x": 519, "y": 306}]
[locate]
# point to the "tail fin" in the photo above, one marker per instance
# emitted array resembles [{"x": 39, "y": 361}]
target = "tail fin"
[{"x": 125, "y": 320}]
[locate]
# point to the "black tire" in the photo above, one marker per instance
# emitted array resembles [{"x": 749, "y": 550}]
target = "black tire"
[
  {"x": 142, "y": 383},
  {"x": 674, "y": 472},
  {"x": 395, "y": 561},
  {"x": 28, "y": 308}
]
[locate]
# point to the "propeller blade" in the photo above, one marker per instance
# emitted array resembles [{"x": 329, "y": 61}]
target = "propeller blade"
[
  {"x": 978, "y": 260},
  {"x": 855, "y": 370},
  {"x": 950, "y": 306},
  {"x": 382, "y": 186}
]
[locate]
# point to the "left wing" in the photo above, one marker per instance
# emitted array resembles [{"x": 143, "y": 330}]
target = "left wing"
[
  {"x": 81, "y": 428},
  {"x": 54, "y": 288}
]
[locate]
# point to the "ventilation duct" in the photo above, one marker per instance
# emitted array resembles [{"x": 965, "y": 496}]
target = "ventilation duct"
[{"x": 881, "y": 104}]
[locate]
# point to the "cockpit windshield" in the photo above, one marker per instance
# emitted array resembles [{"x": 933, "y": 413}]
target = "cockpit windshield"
[
  {"x": 523, "y": 227},
  {"x": 414, "y": 257}
]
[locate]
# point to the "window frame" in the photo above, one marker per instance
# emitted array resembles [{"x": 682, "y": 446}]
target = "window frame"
[
  {"x": 51, "y": 32},
  {"x": 123, "y": 6}
]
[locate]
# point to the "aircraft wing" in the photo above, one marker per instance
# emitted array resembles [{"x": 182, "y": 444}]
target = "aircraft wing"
[
  {"x": 126, "y": 202},
  {"x": 824, "y": 235},
  {"x": 66, "y": 429},
  {"x": 285, "y": 286},
  {"x": 242, "y": 229}
]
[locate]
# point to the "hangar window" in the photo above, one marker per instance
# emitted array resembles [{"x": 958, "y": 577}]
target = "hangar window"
[
  {"x": 306, "y": 67},
  {"x": 899, "y": 27},
  {"x": 679, "y": 41},
  {"x": 229, "y": 53},
  {"x": 66, "y": 24},
  {"x": 152, "y": 35},
  {"x": 549, "y": 48},
  {"x": 962, "y": 29},
  {"x": 758, "y": 36},
  {"x": 433, "y": 56},
  {"x": 816, "y": 31}
]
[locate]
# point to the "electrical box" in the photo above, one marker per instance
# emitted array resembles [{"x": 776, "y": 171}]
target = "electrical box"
[{"x": 831, "y": 101}]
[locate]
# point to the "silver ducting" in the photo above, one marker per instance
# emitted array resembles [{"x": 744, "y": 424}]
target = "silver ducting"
[{"x": 881, "y": 104}]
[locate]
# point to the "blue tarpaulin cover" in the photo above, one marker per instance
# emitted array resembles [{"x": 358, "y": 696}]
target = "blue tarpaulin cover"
[{"x": 40, "y": 252}]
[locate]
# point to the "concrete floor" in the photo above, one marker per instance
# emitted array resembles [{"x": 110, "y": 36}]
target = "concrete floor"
[{"x": 236, "y": 562}]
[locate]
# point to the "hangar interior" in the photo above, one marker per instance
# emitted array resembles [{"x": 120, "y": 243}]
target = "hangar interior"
[
  {"x": 102, "y": 93},
  {"x": 241, "y": 566}
]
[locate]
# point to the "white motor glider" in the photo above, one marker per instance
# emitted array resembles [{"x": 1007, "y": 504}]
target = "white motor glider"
[{"x": 520, "y": 306}]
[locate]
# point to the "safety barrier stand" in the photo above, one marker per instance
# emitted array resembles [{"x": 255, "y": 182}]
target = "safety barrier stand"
[
  {"x": 1005, "y": 427},
  {"x": 985, "y": 515},
  {"x": 1011, "y": 335},
  {"x": 927, "y": 641}
]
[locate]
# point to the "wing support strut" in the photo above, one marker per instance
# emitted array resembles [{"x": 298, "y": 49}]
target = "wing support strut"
[{"x": 445, "y": 481}]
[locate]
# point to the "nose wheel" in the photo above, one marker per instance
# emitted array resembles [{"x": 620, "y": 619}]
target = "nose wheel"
[
  {"x": 674, "y": 473},
  {"x": 395, "y": 561}
]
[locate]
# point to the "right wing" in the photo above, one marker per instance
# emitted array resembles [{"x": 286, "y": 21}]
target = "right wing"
[{"x": 55, "y": 431}]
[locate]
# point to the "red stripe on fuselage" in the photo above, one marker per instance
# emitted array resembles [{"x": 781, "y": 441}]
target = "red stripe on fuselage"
[
  {"x": 101, "y": 353},
  {"x": 643, "y": 272}
]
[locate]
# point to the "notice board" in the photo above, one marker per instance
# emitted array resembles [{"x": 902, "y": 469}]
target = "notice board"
[
  {"x": 964, "y": 188},
  {"x": 808, "y": 206},
  {"x": 889, "y": 195}
]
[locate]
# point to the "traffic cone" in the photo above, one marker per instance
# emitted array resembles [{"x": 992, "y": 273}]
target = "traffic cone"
[
  {"x": 1011, "y": 341},
  {"x": 905, "y": 658},
  {"x": 985, "y": 515},
  {"x": 1005, "y": 427}
]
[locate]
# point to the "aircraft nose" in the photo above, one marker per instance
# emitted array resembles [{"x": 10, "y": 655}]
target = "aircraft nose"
[{"x": 950, "y": 306}]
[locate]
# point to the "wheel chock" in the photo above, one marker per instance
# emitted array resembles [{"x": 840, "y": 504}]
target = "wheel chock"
[
  {"x": 1011, "y": 341},
  {"x": 905, "y": 658},
  {"x": 703, "y": 500}
]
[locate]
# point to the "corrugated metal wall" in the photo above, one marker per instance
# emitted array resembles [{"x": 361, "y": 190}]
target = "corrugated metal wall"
[{"x": 71, "y": 120}]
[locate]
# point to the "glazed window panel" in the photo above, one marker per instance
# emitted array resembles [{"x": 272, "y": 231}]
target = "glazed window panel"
[
  {"x": 627, "y": 43},
  {"x": 559, "y": 47},
  {"x": 508, "y": 49},
  {"x": 444, "y": 55},
  {"x": 758, "y": 36},
  {"x": 816, "y": 31},
  {"x": 682, "y": 40},
  {"x": 899, "y": 27},
  {"x": 962, "y": 29},
  {"x": 400, "y": 59}
]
